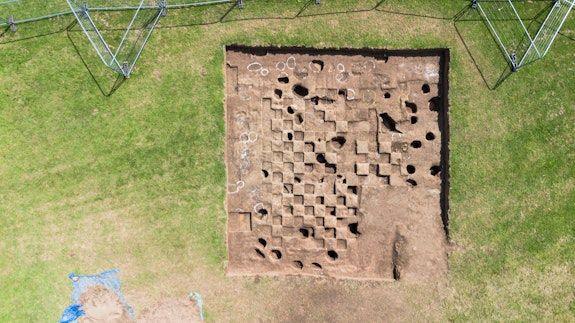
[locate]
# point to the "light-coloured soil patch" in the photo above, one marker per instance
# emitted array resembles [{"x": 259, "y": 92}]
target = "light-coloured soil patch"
[
  {"x": 172, "y": 310},
  {"x": 336, "y": 163},
  {"x": 102, "y": 305}
]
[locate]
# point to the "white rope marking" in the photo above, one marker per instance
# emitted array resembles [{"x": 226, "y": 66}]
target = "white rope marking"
[
  {"x": 239, "y": 186},
  {"x": 254, "y": 67},
  {"x": 291, "y": 63},
  {"x": 245, "y": 96},
  {"x": 256, "y": 208},
  {"x": 350, "y": 94},
  {"x": 369, "y": 62},
  {"x": 246, "y": 137},
  {"x": 280, "y": 66},
  {"x": 341, "y": 78},
  {"x": 314, "y": 67},
  {"x": 250, "y": 136}
]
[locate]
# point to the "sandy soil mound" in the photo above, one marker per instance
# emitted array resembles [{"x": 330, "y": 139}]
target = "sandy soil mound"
[{"x": 102, "y": 305}]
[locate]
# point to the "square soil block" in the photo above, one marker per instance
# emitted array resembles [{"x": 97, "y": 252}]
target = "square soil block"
[{"x": 337, "y": 162}]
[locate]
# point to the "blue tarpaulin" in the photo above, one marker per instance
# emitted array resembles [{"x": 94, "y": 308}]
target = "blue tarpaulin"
[
  {"x": 108, "y": 279},
  {"x": 81, "y": 283}
]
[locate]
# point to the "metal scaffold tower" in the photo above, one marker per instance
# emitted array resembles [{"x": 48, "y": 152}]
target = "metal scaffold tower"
[
  {"x": 520, "y": 41},
  {"x": 9, "y": 21},
  {"x": 133, "y": 40},
  {"x": 146, "y": 16}
]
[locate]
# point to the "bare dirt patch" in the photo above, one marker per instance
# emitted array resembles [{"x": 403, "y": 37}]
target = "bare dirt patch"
[
  {"x": 172, "y": 310},
  {"x": 336, "y": 163},
  {"x": 102, "y": 305}
]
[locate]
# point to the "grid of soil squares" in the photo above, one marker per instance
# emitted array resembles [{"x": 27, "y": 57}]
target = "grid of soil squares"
[{"x": 336, "y": 163}]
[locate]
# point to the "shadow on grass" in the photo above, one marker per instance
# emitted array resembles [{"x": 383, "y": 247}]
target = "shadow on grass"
[
  {"x": 471, "y": 30},
  {"x": 571, "y": 38},
  {"x": 469, "y": 26},
  {"x": 229, "y": 12},
  {"x": 225, "y": 13},
  {"x": 422, "y": 14},
  {"x": 108, "y": 82},
  {"x": 33, "y": 30}
]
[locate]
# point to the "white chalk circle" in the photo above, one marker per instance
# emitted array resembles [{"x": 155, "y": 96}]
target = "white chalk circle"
[
  {"x": 369, "y": 64},
  {"x": 245, "y": 96},
  {"x": 341, "y": 77},
  {"x": 254, "y": 67},
  {"x": 239, "y": 186},
  {"x": 291, "y": 63},
  {"x": 314, "y": 67},
  {"x": 350, "y": 94},
  {"x": 248, "y": 137},
  {"x": 280, "y": 66},
  {"x": 258, "y": 207},
  {"x": 244, "y": 137}
]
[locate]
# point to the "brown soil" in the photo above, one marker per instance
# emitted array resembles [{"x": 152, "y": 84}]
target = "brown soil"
[
  {"x": 174, "y": 310},
  {"x": 102, "y": 305},
  {"x": 334, "y": 165}
]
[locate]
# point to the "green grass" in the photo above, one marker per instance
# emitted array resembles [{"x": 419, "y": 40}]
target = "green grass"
[{"x": 136, "y": 180}]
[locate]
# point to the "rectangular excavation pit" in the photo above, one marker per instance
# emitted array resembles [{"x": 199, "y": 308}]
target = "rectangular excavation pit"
[{"x": 341, "y": 159}]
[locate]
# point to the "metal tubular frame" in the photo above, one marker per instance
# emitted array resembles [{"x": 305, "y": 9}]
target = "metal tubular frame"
[
  {"x": 123, "y": 8},
  {"x": 537, "y": 48},
  {"x": 149, "y": 29},
  {"x": 81, "y": 12},
  {"x": 118, "y": 61},
  {"x": 126, "y": 55},
  {"x": 540, "y": 44},
  {"x": 129, "y": 28},
  {"x": 571, "y": 6},
  {"x": 531, "y": 43},
  {"x": 494, "y": 32}
]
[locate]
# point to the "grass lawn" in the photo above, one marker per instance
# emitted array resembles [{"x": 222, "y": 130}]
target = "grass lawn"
[{"x": 135, "y": 180}]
